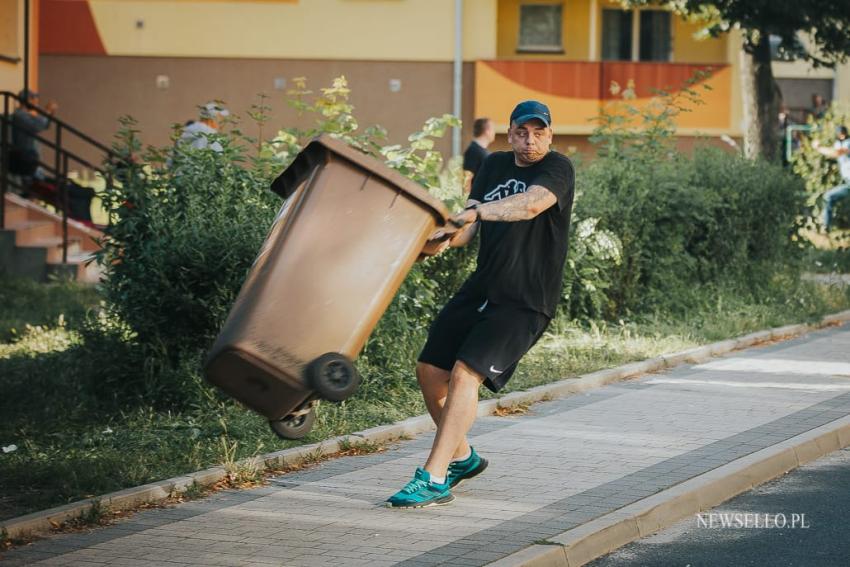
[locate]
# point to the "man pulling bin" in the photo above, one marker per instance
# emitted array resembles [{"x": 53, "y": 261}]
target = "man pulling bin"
[{"x": 521, "y": 202}]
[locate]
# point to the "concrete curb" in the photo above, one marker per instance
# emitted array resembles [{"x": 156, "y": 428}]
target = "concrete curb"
[
  {"x": 46, "y": 520},
  {"x": 598, "y": 537}
]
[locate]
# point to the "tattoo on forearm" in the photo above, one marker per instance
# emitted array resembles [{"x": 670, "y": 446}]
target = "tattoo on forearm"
[{"x": 519, "y": 207}]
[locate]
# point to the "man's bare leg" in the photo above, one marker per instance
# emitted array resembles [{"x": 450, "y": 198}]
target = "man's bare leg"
[
  {"x": 434, "y": 383},
  {"x": 459, "y": 409}
]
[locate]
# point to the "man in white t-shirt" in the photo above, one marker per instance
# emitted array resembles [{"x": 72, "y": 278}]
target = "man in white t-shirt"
[
  {"x": 196, "y": 134},
  {"x": 840, "y": 151}
]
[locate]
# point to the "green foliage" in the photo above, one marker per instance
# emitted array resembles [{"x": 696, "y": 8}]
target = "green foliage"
[
  {"x": 624, "y": 129},
  {"x": 829, "y": 261},
  {"x": 819, "y": 172},
  {"x": 651, "y": 223},
  {"x": 418, "y": 160},
  {"x": 186, "y": 227},
  {"x": 187, "y": 224}
]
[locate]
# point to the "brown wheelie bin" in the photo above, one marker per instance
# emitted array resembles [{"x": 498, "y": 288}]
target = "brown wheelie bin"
[{"x": 348, "y": 233}]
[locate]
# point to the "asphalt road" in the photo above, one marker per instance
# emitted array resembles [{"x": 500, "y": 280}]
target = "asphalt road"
[{"x": 816, "y": 498}]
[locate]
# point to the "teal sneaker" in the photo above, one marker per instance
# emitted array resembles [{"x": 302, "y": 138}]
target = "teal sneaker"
[
  {"x": 421, "y": 492},
  {"x": 468, "y": 468}
]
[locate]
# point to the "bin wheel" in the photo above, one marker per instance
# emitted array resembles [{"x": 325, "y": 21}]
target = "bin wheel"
[
  {"x": 333, "y": 376},
  {"x": 294, "y": 426}
]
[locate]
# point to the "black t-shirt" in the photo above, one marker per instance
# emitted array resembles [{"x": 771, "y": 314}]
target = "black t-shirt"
[
  {"x": 473, "y": 157},
  {"x": 522, "y": 263}
]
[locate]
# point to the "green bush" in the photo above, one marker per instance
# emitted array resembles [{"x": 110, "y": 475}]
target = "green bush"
[
  {"x": 186, "y": 229},
  {"x": 187, "y": 224},
  {"x": 652, "y": 224},
  {"x": 820, "y": 172}
]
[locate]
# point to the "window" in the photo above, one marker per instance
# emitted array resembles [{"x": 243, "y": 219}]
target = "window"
[
  {"x": 540, "y": 28},
  {"x": 790, "y": 51},
  {"x": 654, "y": 35},
  {"x": 616, "y": 35}
]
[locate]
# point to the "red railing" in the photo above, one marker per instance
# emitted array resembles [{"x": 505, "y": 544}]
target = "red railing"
[{"x": 592, "y": 79}]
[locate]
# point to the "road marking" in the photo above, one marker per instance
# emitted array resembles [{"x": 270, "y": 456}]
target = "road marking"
[
  {"x": 748, "y": 384},
  {"x": 778, "y": 366}
]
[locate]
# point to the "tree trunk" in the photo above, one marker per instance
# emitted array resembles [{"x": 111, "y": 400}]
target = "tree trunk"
[{"x": 762, "y": 100}]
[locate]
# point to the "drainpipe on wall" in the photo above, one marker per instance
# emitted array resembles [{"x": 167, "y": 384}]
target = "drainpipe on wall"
[
  {"x": 26, "y": 44},
  {"x": 458, "y": 74}
]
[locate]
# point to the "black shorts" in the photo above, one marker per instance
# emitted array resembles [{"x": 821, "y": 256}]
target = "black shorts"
[{"x": 489, "y": 338}]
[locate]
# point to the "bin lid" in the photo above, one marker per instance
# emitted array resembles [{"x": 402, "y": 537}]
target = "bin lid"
[{"x": 319, "y": 151}]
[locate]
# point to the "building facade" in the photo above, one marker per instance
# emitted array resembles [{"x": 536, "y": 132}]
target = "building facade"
[
  {"x": 13, "y": 51},
  {"x": 158, "y": 60}
]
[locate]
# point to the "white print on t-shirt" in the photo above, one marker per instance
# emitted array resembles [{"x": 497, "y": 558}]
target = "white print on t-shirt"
[{"x": 506, "y": 189}]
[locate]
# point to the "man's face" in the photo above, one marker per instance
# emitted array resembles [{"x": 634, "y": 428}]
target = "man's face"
[
  {"x": 490, "y": 131},
  {"x": 530, "y": 141}
]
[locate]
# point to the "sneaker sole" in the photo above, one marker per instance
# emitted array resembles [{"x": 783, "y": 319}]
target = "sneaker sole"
[
  {"x": 438, "y": 502},
  {"x": 482, "y": 465}
]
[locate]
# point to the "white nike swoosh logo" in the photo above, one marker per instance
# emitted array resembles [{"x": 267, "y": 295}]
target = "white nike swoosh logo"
[{"x": 494, "y": 371}]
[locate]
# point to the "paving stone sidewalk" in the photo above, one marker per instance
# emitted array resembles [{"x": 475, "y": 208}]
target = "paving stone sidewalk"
[{"x": 563, "y": 463}]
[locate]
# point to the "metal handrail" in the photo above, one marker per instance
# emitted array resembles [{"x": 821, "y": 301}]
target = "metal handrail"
[
  {"x": 62, "y": 123},
  {"x": 61, "y": 158},
  {"x": 789, "y": 137}
]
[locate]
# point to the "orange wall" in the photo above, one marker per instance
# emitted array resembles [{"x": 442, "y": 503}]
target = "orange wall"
[
  {"x": 689, "y": 49},
  {"x": 576, "y": 90}
]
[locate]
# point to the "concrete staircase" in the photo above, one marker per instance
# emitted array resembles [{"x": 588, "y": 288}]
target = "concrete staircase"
[{"x": 31, "y": 244}]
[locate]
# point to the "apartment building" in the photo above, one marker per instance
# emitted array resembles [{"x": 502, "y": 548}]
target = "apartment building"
[{"x": 157, "y": 60}]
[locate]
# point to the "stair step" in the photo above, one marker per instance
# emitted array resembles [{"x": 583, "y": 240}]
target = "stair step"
[
  {"x": 52, "y": 241},
  {"x": 53, "y": 245},
  {"x": 14, "y": 214},
  {"x": 32, "y": 231},
  {"x": 37, "y": 212},
  {"x": 31, "y": 245}
]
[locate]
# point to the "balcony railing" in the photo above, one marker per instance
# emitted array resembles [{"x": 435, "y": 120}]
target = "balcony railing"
[{"x": 575, "y": 90}]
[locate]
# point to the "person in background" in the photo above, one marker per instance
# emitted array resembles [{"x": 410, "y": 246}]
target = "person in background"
[
  {"x": 196, "y": 134},
  {"x": 784, "y": 122},
  {"x": 483, "y": 132},
  {"x": 839, "y": 151},
  {"x": 819, "y": 107},
  {"x": 27, "y": 122}
]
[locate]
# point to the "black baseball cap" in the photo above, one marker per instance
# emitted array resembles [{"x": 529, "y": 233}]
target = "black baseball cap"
[{"x": 529, "y": 110}]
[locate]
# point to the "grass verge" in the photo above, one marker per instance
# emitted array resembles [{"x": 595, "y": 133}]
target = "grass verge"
[{"x": 66, "y": 435}]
